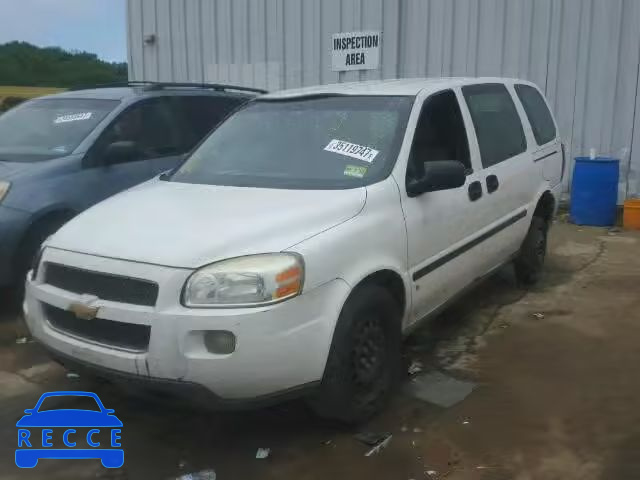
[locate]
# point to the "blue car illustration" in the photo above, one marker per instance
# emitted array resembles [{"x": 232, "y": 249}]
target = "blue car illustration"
[{"x": 34, "y": 443}]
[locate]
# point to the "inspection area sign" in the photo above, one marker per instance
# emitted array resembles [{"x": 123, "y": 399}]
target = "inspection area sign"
[{"x": 355, "y": 51}]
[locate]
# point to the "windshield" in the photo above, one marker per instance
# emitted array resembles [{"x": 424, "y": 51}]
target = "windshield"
[
  {"x": 313, "y": 143},
  {"x": 49, "y": 128}
]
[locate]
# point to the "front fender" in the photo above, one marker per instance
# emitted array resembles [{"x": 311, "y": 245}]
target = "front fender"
[{"x": 373, "y": 240}]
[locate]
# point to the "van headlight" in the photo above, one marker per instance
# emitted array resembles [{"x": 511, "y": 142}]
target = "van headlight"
[
  {"x": 249, "y": 281},
  {"x": 4, "y": 189}
]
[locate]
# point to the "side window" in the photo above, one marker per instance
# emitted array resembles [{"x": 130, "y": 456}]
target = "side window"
[
  {"x": 496, "y": 122},
  {"x": 203, "y": 113},
  {"x": 544, "y": 130},
  {"x": 439, "y": 135},
  {"x": 149, "y": 127}
]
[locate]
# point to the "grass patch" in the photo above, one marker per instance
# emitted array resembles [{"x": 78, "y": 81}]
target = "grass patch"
[{"x": 27, "y": 92}]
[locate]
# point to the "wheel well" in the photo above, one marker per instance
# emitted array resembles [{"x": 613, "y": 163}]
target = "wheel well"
[
  {"x": 545, "y": 207},
  {"x": 392, "y": 282},
  {"x": 56, "y": 217},
  {"x": 40, "y": 227}
]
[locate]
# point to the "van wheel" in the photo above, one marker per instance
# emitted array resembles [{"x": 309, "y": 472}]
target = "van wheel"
[
  {"x": 364, "y": 359},
  {"x": 528, "y": 265}
]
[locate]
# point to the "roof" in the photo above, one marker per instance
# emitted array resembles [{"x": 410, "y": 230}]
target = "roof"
[
  {"x": 407, "y": 86},
  {"x": 98, "y": 93},
  {"x": 122, "y": 92}
]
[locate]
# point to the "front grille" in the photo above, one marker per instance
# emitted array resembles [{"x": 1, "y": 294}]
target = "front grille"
[
  {"x": 109, "y": 332},
  {"x": 103, "y": 285}
]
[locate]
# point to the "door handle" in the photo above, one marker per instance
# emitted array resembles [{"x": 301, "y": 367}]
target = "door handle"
[
  {"x": 475, "y": 191},
  {"x": 492, "y": 183}
]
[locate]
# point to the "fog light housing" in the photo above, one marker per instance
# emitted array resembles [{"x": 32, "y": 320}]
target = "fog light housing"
[{"x": 220, "y": 342}]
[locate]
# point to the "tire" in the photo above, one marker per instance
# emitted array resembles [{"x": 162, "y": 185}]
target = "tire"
[
  {"x": 530, "y": 261},
  {"x": 364, "y": 359}
]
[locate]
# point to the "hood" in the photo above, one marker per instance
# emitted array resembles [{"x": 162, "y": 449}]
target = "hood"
[
  {"x": 10, "y": 169},
  {"x": 13, "y": 170},
  {"x": 189, "y": 225}
]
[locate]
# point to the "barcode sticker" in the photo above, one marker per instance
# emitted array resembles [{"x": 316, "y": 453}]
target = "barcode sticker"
[
  {"x": 75, "y": 117},
  {"x": 353, "y": 150}
]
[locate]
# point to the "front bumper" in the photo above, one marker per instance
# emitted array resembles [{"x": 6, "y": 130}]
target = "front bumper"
[
  {"x": 278, "y": 347},
  {"x": 178, "y": 391},
  {"x": 13, "y": 224}
]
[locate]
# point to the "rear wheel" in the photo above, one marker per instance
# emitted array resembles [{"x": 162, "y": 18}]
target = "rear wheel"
[
  {"x": 364, "y": 359},
  {"x": 530, "y": 261}
]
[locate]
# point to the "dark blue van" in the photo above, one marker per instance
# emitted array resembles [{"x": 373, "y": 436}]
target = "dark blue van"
[{"x": 62, "y": 153}]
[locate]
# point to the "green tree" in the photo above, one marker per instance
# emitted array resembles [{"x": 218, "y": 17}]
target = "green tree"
[{"x": 24, "y": 64}]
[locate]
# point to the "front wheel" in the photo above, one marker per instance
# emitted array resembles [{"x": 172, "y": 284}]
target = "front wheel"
[
  {"x": 364, "y": 359},
  {"x": 528, "y": 265}
]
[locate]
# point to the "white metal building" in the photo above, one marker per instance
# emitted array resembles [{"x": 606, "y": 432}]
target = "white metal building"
[{"x": 585, "y": 54}]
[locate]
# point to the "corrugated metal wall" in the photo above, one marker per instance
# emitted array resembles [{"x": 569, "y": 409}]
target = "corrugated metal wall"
[{"x": 583, "y": 53}]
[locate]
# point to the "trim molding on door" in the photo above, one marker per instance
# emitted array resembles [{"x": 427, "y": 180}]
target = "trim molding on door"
[
  {"x": 544, "y": 156},
  {"x": 469, "y": 245}
]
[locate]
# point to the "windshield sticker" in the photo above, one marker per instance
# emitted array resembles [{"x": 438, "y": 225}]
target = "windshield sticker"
[
  {"x": 355, "y": 171},
  {"x": 352, "y": 150},
  {"x": 75, "y": 117}
]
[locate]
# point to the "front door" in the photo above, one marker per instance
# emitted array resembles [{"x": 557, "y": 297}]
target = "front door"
[
  {"x": 158, "y": 145},
  {"x": 441, "y": 225}
]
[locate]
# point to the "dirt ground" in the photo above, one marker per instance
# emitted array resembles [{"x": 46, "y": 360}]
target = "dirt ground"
[{"x": 556, "y": 393}]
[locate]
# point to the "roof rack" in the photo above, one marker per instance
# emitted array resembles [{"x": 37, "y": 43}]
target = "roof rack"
[
  {"x": 110, "y": 85},
  {"x": 148, "y": 85},
  {"x": 214, "y": 86}
]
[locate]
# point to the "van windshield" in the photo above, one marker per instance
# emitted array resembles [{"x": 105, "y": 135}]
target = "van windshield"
[
  {"x": 306, "y": 143},
  {"x": 49, "y": 128}
]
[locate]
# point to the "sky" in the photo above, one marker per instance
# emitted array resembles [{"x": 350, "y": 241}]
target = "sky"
[{"x": 95, "y": 26}]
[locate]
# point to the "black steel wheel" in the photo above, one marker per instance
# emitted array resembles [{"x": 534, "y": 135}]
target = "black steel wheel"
[
  {"x": 530, "y": 261},
  {"x": 364, "y": 360}
]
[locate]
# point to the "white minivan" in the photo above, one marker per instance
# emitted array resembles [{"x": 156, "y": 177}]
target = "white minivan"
[{"x": 297, "y": 244}]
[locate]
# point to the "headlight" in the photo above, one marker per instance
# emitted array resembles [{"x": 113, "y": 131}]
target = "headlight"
[
  {"x": 246, "y": 281},
  {"x": 4, "y": 188}
]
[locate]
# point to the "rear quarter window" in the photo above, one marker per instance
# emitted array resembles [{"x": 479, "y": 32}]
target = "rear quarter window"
[
  {"x": 496, "y": 122},
  {"x": 544, "y": 130}
]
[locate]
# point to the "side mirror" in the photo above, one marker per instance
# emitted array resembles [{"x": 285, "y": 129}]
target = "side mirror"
[
  {"x": 120, "y": 152},
  {"x": 109, "y": 411},
  {"x": 29, "y": 411},
  {"x": 440, "y": 175}
]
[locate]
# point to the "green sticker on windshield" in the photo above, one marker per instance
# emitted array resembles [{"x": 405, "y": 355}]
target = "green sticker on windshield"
[{"x": 355, "y": 171}]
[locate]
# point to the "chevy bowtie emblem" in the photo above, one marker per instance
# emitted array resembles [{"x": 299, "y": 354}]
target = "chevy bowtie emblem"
[{"x": 84, "y": 310}]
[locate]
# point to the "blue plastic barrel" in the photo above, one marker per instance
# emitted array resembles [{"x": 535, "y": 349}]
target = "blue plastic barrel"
[{"x": 594, "y": 191}]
